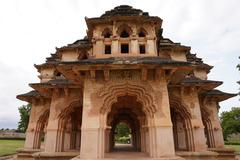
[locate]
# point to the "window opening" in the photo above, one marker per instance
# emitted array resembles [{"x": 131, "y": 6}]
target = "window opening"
[
  {"x": 142, "y": 49},
  {"x": 124, "y": 34},
  {"x": 107, "y": 49},
  {"x": 124, "y": 48},
  {"x": 141, "y": 34},
  {"x": 107, "y": 35}
]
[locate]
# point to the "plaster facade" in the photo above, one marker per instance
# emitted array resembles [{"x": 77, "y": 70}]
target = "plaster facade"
[{"x": 124, "y": 70}]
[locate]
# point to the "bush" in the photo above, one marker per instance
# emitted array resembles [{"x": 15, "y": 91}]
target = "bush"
[
  {"x": 11, "y": 138},
  {"x": 232, "y": 142},
  {"x": 123, "y": 140}
]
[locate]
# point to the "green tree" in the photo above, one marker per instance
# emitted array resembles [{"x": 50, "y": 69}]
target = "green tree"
[
  {"x": 230, "y": 121},
  {"x": 122, "y": 130},
  {"x": 24, "y": 112},
  {"x": 122, "y": 133}
]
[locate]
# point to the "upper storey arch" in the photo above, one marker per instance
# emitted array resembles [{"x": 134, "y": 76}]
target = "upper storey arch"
[
  {"x": 107, "y": 32},
  {"x": 142, "y": 32},
  {"x": 124, "y": 31}
]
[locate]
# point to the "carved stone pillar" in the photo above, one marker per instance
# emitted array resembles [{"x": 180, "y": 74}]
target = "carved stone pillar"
[
  {"x": 115, "y": 46},
  {"x": 31, "y": 130},
  {"x": 55, "y": 134},
  {"x": 151, "y": 48},
  {"x": 199, "y": 139},
  {"x": 143, "y": 139},
  {"x": 37, "y": 121},
  {"x": 107, "y": 139},
  {"x": 134, "y": 46},
  {"x": 91, "y": 128},
  {"x": 161, "y": 142}
]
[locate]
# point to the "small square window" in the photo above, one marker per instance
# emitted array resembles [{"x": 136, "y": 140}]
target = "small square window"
[
  {"x": 142, "y": 49},
  {"x": 108, "y": 49},
  {"x": 124, "y": 48}
]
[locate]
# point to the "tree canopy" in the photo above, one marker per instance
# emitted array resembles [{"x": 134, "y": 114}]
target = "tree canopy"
[
  {"x": 230, "y": 121},
  {"x": 24, "y": 112},
  {"x": 122, "y": 133}
]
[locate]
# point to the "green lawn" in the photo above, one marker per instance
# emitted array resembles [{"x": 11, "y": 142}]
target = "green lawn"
[
  {"x": 8, "y": 147},
  {"x": 236, "y": 147}
]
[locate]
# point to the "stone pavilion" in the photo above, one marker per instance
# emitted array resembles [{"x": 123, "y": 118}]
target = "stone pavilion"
[{"x": 124, "y": 71}]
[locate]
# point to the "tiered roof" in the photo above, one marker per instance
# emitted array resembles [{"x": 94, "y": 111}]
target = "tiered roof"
[
  {"x": 127, "y": 12},
  {"x": 124, "y": 10}
]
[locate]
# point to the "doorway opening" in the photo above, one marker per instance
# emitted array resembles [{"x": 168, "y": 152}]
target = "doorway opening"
[
  {"x": 122, "y": 137},
  {"x": 125, "y": 120}
]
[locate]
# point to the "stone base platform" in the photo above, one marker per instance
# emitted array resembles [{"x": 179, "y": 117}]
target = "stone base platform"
[
  {"x": 212, "y": 154},
  {"x": 129, "y": 156},
  {"x": 54, "y": 156},
  {"x": 36, "y": 154},
  {"x": 26, "y": 154},
  {"x": 224, "y": 153},
  {"x": 206, "y": 155}
]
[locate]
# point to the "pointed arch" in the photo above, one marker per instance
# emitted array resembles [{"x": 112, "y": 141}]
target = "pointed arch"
[
  {"x": 110, "y": 92},
  {"x": 208, "y": 128},
  {"x": 40, "y": 127},
  {"x": 124, "y": 31},
  {"x": 181, "y": 115},
  {"x": 70, "y": 120},
  {"x": 107, "y": 33},
  {"x": 83, "y": 54},
  {"x": 142, "y": 32}
]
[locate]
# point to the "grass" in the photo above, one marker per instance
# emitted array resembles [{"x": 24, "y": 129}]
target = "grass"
[
  {"x": 236, "y": 147},
  {"x": 8, "y": 147}
]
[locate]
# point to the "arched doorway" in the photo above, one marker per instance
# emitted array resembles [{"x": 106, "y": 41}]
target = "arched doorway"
[
  {"x": 129, "y": 111},
  {"x": 208, "y": 129},
  {"x": 39, "y": 137},
  {"x": 182, "y": 127},
  {"x": 69, "y": 128},
  {"x": 122, "y": 131}
]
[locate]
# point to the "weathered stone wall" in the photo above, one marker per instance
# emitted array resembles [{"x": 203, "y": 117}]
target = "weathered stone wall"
[{"x": 11, "y": 134}]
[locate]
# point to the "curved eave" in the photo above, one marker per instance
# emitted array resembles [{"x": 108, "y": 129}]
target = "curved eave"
[
  {"x": 45, "y": 65},
  {"x": 218, "y": 95},
  {"x": 73, "y": 48},
  {"x": 130, "y": 62},
  {"x": 91, "y": 22},
  {"x": 175, "y": 47},
  {"x": 39, "y": 86},
  {"x": 110, "y": 19},
  {"x": 203, "y": 85},
  {"x": 28, "y": 97},
  {"x": 204, "y": 66}
]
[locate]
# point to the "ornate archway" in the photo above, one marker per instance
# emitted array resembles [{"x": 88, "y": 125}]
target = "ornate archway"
[
  {"x": 135, "y": 101},
  {"x": 182, "y": 127},
  {"x": 127, "y": 110},
  {"x": 69, "y": 128},
  {"x": 208, "y": 129},
  {"x": 111, "y": 91},
  {"x": 40, "y": 130}
]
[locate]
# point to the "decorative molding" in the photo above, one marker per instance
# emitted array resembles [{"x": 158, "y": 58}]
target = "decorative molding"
[{"x": 110, "y": 91}]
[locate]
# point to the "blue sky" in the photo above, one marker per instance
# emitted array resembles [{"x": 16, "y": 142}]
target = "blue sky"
[{"x": 30, "y": 31}]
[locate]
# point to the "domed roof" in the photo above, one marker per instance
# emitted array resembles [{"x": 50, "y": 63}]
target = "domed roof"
[{"x": 124, "y": 10}]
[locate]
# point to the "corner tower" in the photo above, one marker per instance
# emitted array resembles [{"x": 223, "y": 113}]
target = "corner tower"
[{"x": 122, "y": 32}]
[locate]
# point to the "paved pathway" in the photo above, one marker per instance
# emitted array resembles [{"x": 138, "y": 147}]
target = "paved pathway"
[{"x": 8, "y": 157}]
